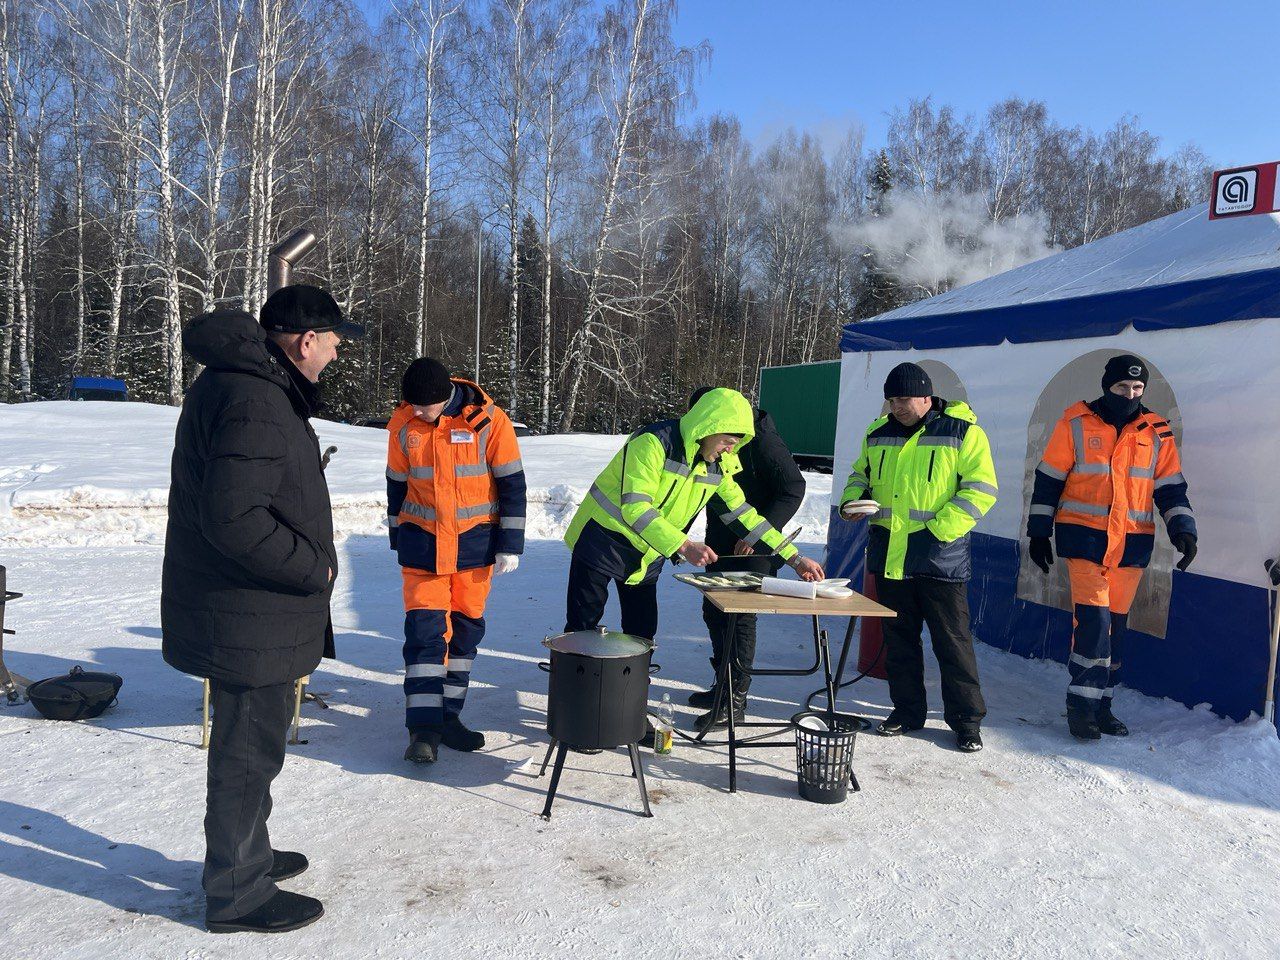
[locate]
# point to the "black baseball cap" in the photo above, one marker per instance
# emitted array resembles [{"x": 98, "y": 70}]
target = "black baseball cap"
[{"x": 300, "y": 307}]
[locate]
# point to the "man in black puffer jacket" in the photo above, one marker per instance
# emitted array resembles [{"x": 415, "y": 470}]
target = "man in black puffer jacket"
[
  {"x": 774, "y": 485},
  {"x": 249, "y": 565}
]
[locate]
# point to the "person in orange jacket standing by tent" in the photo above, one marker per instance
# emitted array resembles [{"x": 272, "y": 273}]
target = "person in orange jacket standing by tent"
[
  {"x": 456, "y": 510},
  {"x": 1109, "y": 466}
]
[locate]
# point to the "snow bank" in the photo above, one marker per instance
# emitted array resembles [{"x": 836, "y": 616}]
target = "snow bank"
[{"x": 77, "y": 474}]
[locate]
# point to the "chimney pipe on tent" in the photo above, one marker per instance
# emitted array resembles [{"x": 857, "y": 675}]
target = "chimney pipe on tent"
[{"x": 285, "y": 255}]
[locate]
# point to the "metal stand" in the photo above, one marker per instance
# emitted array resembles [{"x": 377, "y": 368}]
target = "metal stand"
[
  {"x": 724, "y": 687},
  {"x": 12, "y": 685},
  {"x": 299, "y": 694},
  {"x": 560, "y": 749}
]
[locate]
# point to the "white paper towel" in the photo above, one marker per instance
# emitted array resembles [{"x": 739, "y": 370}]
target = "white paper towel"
[{"x": 789, "y": 588}]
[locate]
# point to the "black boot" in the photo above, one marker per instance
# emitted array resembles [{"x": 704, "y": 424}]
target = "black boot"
[
  {"x": 721, "y": 717},
  {"x": 1109, "y": 724},
  {"x": 284, "y": 912},
  {"x": 706, "y": 699},
  {"x": 968, "y": 741},
  {"x": 1083, "y": 724},
  {"x": 285, "y": 864},
  {"x": 458, "y": 737},
  {"x": 423, "y": 743},
  {"x": 894, "y": 725}
]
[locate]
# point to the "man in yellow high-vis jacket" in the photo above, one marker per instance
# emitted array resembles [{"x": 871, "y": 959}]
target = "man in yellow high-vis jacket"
[{"x": 928, "y": 466}]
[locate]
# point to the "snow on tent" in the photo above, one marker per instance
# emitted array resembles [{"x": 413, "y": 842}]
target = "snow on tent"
[{"x": 1199, "y": 300}]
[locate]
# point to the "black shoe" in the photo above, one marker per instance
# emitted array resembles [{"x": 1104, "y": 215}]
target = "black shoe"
[
  {"x": 284, "y": 912},
  {"x": 894, "y": 726},
  {"x": 458, "y": 737},
  {"x": 721, "y": 718},
  {"x": 1109, "y": 724},
  {"x": 969, "y": 742},
  {"x": 285, "y": 865},
  {"x": 1083, "y": 726},
  {"x": 422, "y": 746},
  {"x": 703, "y": 699}
]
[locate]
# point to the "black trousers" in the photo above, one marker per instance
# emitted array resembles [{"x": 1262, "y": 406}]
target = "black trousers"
[
  {"x": 944, "y": 606},
  {"x": 745, "y": 647},
  {"x": 589, "y": 591},
  {"x": 246, "y": 751}
]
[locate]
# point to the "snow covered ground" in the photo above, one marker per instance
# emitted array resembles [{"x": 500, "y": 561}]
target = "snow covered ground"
[{"x": 1162, "y": 845}]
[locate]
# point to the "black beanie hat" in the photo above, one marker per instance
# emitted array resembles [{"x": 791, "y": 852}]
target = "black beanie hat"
[
  {"x": 908, "y": 380},
  {"x": 1124, "y": 367},
  {"x": 426, "y": 382},
  {"x": 698, "y": 395}
]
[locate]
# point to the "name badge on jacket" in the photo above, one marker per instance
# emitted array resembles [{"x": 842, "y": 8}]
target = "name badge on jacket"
[{"x": 461, "y": 436}]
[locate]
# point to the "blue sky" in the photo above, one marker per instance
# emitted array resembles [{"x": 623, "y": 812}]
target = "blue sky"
[{"x": 1203, "y": 72}]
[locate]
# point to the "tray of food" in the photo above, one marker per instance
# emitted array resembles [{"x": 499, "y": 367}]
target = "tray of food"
[{"x": 723, "y": 580}]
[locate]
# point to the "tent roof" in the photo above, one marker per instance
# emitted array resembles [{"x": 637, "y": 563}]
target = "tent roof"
[{"x": 1181, "y": 270}]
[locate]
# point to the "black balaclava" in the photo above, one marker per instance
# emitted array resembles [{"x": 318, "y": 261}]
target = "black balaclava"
[{"x": 1118, "y": 410}]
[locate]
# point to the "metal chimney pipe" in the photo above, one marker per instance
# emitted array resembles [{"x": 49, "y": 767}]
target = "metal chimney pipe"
[{"x": 285, "y": 255}]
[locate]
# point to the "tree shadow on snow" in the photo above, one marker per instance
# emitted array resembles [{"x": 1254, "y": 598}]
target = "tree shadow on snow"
[{"x": 53, "y": 854}]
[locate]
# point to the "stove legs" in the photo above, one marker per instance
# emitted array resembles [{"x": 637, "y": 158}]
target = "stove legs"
[
  {"x": 560, "y": 749},
  {"x": 555, "y": 778},
  {"x": 638, "y": 771}
]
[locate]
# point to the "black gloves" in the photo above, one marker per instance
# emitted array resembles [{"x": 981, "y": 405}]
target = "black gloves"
[
  {"x": 1041, "y": 552},
  {"x": 1185, "y": 544},
  {"x": 1273, "y": 567}
]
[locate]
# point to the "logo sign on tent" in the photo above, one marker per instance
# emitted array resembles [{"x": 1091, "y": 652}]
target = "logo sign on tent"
[{"x": 1245, "y": 190}]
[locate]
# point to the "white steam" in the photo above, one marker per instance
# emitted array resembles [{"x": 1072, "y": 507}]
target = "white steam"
[{"x": 936, "y": 242}]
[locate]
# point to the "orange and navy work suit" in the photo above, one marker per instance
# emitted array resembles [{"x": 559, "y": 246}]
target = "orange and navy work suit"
[
  {"x": 455, "y": 499},
  {"x": 1098, "y": 490}
]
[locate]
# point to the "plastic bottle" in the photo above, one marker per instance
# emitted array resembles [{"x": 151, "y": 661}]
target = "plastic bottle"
[{"x": 664, "y": 728}]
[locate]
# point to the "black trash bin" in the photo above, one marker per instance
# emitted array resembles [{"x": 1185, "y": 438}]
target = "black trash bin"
[{"x": 824, "y": 758}]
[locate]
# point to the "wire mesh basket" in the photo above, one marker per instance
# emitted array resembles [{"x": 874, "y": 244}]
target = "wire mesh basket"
[{"x": 824, "y": 754}]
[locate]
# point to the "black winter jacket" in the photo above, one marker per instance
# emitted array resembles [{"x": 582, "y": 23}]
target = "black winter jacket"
[
  {"x": 772, "y": 484},
  {"x": 249, "y": 546}
]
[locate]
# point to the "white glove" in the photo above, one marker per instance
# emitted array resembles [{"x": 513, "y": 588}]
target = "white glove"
[{"x": 505, "y": 563}]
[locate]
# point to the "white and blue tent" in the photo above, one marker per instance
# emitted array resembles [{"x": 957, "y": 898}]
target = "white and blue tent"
[{"x": 1199, "y": 300}]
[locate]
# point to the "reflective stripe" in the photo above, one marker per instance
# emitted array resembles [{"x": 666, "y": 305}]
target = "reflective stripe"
[
  {"x": 886, "y": 441},
  {"x": 636, "y": 498},
  {"x": 403, "y": 438},
  {"x": 1171, "y": 478},
  {"x": 968, "y": 506},
  {"x": 454, "y": 692},
  {"x": 396, "y": 475},
  {"x": 609, "y": 507},
  {"x": 884, "y": 513},
  {"x": 927, "y": 441},
  {"x": 859, "y": 479},
  {"x": 1091, "y": 509},
  {"x": 1077, "y": 441},
  {"x": 508, "y": 469},
  {"x": 1176, "y": 512},
  {"x": 1086, "y": 662},
  {"x": 671, "y": 466},
  {"x": 1089, "y": 693},
  {"x": 460, "y": 664},
  {"x": 643, "y": 521},
  {"x": 471, "y": 470},
  {"x": 422, "y": 473},
  {"x": 921, "y": 514},
  {"x": 980, "y": 486},
  {"x": 735, "y": 514},
  {"x": 711, "y": 479},
  {"x": 1143, "y": 471},
  {"x": 424, "y": 670},
  {"x": 417, "y": 510},
  {"x": 479, "y": 510},
  {"x": 1142, "y": 516},
  {"x": 758, "y": 531},
  {"x": 1051, "y": 471},
  {"x": 424, "y": 700},
  {"x": 1042, "y": 510},
  {"x": 393, "y": 521},
  {"x": 511, "y": 523}
]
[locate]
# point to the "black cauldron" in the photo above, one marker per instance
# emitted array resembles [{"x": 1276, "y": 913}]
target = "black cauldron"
[{"x": 599, "y": 691}]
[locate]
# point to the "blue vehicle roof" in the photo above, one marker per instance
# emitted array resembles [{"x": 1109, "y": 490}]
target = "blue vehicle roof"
[{"x": 98, "y": 383}]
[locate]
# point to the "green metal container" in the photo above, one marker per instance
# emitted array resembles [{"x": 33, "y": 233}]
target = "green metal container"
[{"x": 803, "y": 400}]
